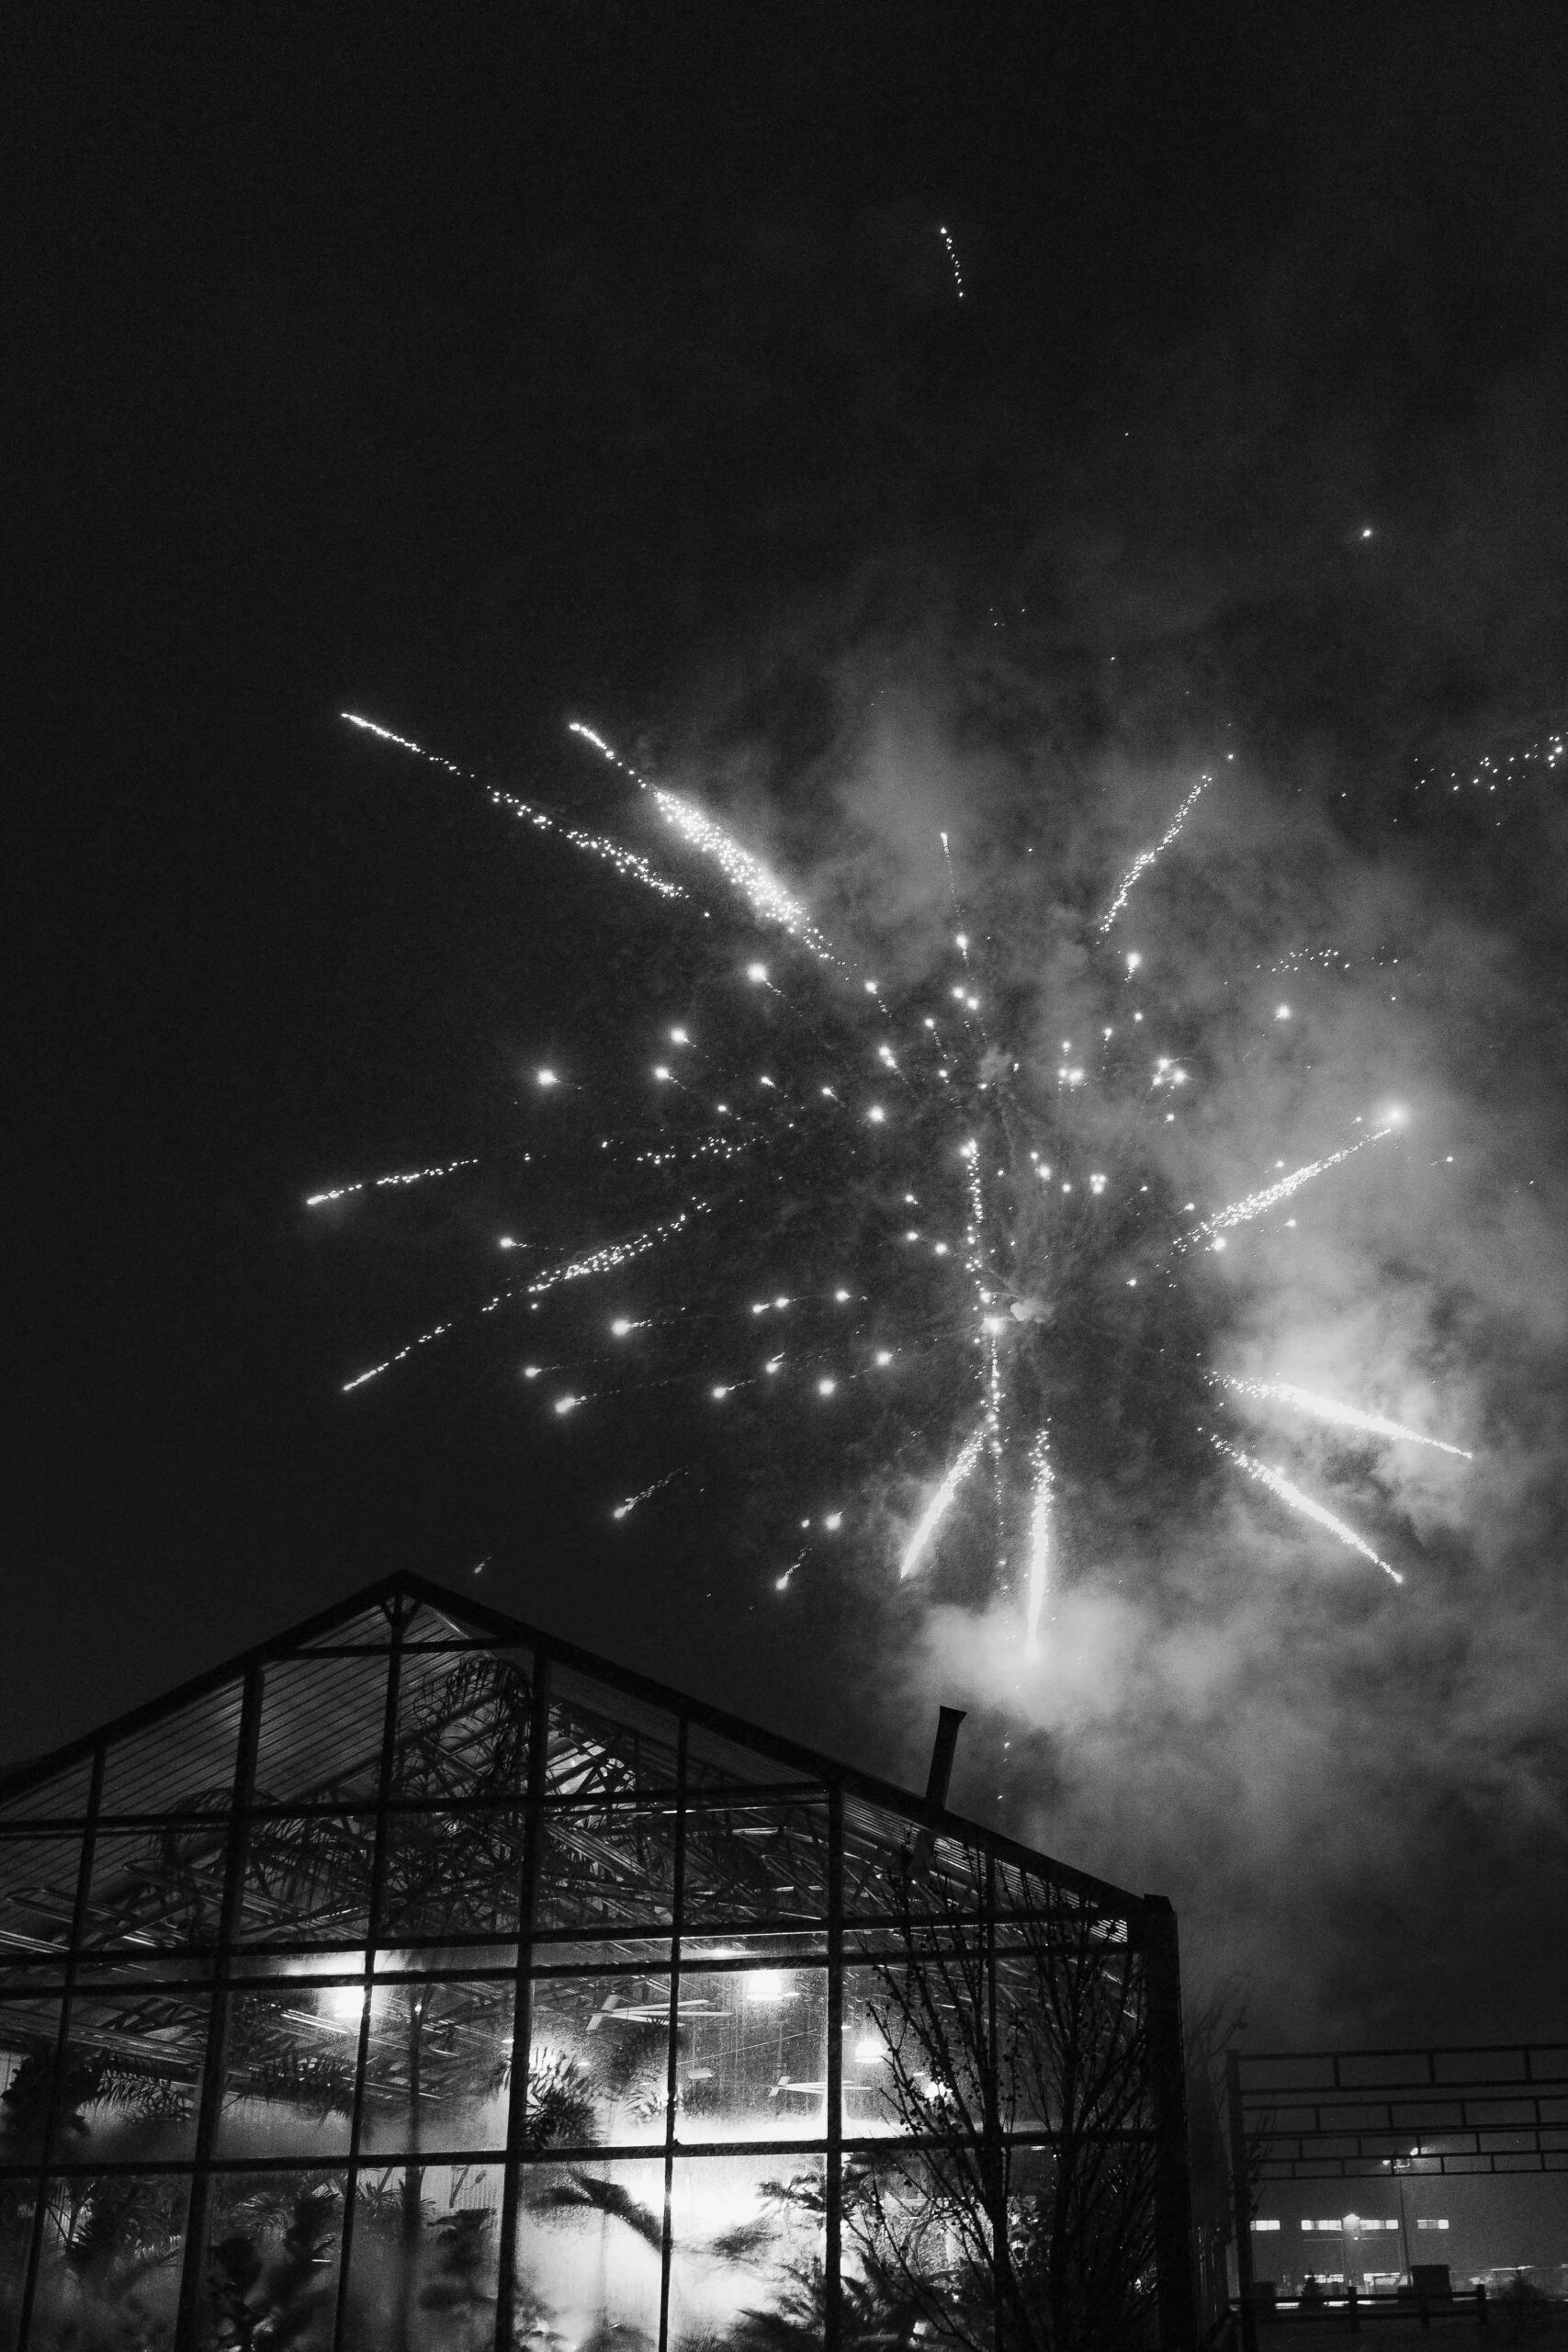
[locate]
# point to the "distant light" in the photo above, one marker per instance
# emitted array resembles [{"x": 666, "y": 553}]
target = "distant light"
[
  {"x": 506, "y": 1242},
  {"x": 659, "y": 1070},
  {"x": 835, "y": 1518},
  {"x": 781, "y": 1302},
  {"x": 768, "y": 1984},
  {"x": 826, "y": 1387},
  {"x": 876, "y": 1114},
  {"x": 1133, "y": 963},
  {"x": 567, "y": 1404},
  {"x": 840, "y": 1294},
  {"x": 531, "y": 1370},
  {"x": 941, "y": 1250},
  {"x": 720, "y": 1393},
  {"x": 679, "y": 1038},
  {"x": 1220, "y": 1242},
  {"x": 620, "y": 1327},
  {"x": 1366, "y": 530},
  {"x": 757, "y": 972},
  {"x": 1281, "y": 1012},
  {"x": 868, "y": 2050},
  {"x": 547, "y": 1077},
  {"x": 871, "y": 988},
  {"x": 1132, "y": 1282},
  {"x": 960, "y": 939},
  {"x": 883, "y": 1355}
]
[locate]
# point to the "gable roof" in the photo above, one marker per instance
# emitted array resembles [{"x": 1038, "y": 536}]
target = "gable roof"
[{"x": 368, "y": 1614}]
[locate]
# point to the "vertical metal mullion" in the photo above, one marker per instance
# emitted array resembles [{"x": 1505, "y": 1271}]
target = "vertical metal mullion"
[
  {"x": 666, "y": 2241},
  {"x": 1155, "y": 1928},
  {"x": 1240, "y": 2201},
  {"x": 996, "y": 2184},
  {"x": 372, "y": 1932},
  {"x": 523, "y": 1999},
  {"x": 194, "y": 2268},
  {"x": 833, "y": 2200},
  {"x": 62, "y": 2040}
]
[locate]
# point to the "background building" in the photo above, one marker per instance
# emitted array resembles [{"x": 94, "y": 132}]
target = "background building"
[{"x": 802, "y": 2053}]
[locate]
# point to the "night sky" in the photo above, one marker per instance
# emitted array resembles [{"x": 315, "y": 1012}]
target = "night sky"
[{"x": 482, "y": 370}]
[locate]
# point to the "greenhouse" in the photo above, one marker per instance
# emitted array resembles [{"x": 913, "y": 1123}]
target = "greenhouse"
[{"x": 419, "y": 1983}]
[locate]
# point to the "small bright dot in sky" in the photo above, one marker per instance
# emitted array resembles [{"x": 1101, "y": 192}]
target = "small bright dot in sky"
[
  {"x": 756, "y": 971},
  {"x": 620, "y": 1327},
  {"x": 876, "y": 1114},
  {"x": 659, "y": 1070},
  {"x": 781, "y": 1302},
  {"x": 1289, "y": 1221},
  {"x": 679, "y": 1038},
  {"x": 506, "y": 1242},
  {"x": 1281, "y": 1012},
  {"x": 1220, "y": 1243},
  {"x": 1366, "y": 530},
  {"x": 531, "y": 1371},
  {"x": 1133, "y": 961},
  {"x": 911, "y": 1236},
  {"x": 1132, "y": 1282},
  {"x": 721, "y": 1392},
  {"x": 826, "y": 1387},
  {"x": 834, "y": 1519},
  {"x": 840, "y": 1294},
  {"x": 941, "y": 1250},
  {"x": 548, "y": 1078},
  {"x": 565, "y": 1404},
  {"x": 883, "y": 1355},
  {"x": 960, "y": 939}
]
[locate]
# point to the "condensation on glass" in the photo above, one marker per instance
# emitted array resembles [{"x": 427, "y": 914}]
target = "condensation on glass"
[{"x": 412, "y": 1986}]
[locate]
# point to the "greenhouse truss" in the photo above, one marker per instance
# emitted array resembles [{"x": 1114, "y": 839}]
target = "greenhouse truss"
[{"x": 419, "y": 1983}]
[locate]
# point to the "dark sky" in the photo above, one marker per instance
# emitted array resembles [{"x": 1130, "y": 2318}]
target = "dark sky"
[{"x": 476, "y": 368}]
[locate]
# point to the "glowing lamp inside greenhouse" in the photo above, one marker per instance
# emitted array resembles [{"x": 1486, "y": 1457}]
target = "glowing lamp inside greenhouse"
[{"x": 766, "y": 1984}]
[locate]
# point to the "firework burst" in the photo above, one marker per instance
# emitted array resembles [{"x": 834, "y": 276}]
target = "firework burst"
[{"x": 899, "y": 1254}]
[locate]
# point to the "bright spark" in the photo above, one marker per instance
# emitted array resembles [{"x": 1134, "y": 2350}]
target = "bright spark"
[
  {"x": 1281, "y": 1486},
  {"x": 940, "y": 1503},
  {"x": 1348, "y": 1416},
  {"x": 1147, "y": 857}
]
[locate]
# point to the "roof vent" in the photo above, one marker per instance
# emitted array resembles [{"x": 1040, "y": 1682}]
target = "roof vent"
[{"x": 947, "y": 1722}]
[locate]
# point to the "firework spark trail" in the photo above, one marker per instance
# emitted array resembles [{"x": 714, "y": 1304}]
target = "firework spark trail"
[
  {"x": 625, "y": 861},
  {"x": 1039, "y": 1543},
  {"x": 378, "y": 1184},
  {"x": 747, "y": 875},
  {"x": 1147, "y": 857},
  {"x": 1349, "y": 1417},
  {"x": 623, "y": 1509},
  {"x": 1281, "y": 1486},
  {"x": 1256, "y": 1203},
  {"x": 952, "y": 258},
  {"x": 603, "y": 1260},
  {"x": 941, "y": 1502}
]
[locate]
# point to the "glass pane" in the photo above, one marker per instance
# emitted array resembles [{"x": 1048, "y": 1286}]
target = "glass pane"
[
  {"x": 603, "y": 1865},
  {"x": 425, "y": 2241},
  {"x": 462, "y": 1726},
  {"x": 746, "y": 2236},
  {"x": 289, "y": 2070},
  {"x": 29, "y": 2033},
  {"x": 110, "y": 2268},
  {"x": 753, "y": 2055},
  {"x": 321, "y": 1723},
  {"x": 878, "y": 2046},
  {"x": 438, "y": 2070},
  {"x": 62, "y": 1797},
  {"x": 156, "y": 1890},
  {"x": 308, "y": 1879},
  {"x": 183, "y": 1762},
  {"x": 599, "y": 2059},
  {"x": 589, "y": 2255},
  {"x": 273, "y": 2244},
  {"x": 567, "y": 1951},
  {"x": 133, "y": 2078},
  {"x": 38, "y": 1893},
  {"x": 451, "y": 1874},
  {"x": 893, "y": 1867},
  {"x": 604, "y": 1742},
  {"x": 762, "y": 1862}
]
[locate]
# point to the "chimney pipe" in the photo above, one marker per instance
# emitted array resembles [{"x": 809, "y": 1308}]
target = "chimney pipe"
[{"x": 947, "y": 1722}]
